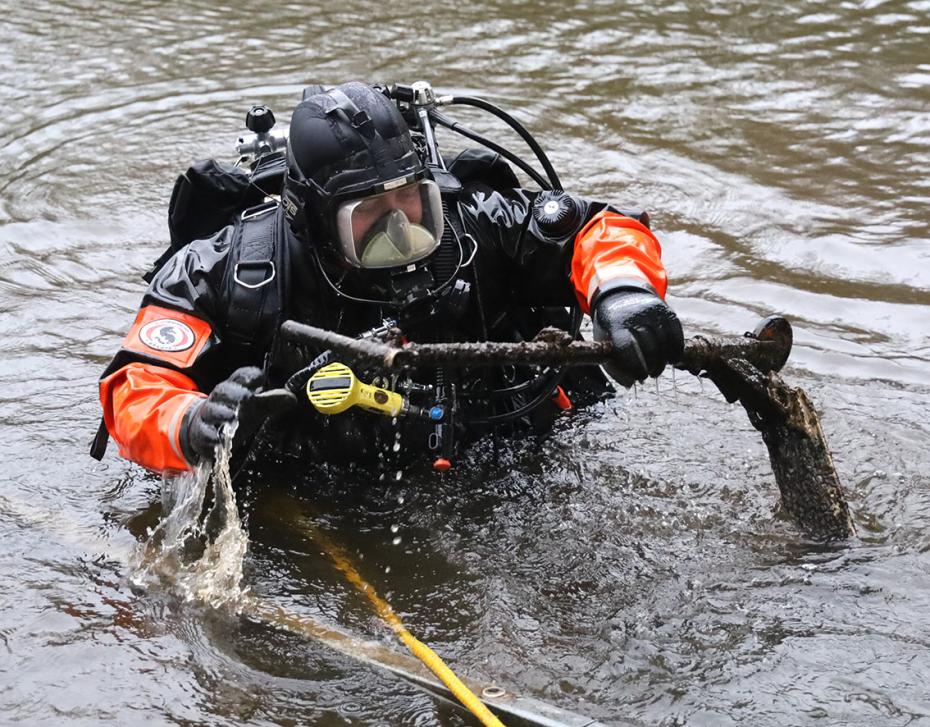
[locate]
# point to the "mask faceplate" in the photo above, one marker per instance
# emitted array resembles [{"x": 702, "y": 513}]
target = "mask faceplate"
[{"x": 392, "y": 228}]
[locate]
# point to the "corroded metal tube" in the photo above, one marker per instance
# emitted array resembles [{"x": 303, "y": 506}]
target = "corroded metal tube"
[{"x": 551, "y": 347}]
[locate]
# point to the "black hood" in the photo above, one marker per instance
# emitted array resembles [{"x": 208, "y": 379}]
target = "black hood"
[{"x": 343, "y": 143}]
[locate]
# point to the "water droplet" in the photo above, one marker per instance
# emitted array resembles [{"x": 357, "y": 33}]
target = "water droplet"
[
  {"x": 395, "y": 527},
  {"x": 400, "y": 474},
  {"x": 396, "y": 541},
  {"x": 400, "y": 499},
  {"x": 396, "y": 447},
  {"x": 387, "y": 569}
]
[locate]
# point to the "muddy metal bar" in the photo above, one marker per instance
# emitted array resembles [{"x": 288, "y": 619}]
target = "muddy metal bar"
[{"x": 551, "y": 347}]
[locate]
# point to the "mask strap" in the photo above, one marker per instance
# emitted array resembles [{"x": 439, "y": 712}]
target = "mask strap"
[
  {"x": 362, "y": 123},
  {"x": 359, "y": 120}
]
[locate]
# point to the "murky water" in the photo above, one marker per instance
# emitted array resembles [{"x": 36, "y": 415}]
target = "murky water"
[{"x": 630, "y": 569}]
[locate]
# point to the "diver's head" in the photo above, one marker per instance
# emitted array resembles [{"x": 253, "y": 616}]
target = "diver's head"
[{"x": 356, "y": 189}]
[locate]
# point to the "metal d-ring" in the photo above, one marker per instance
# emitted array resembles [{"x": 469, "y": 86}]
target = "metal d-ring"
[{"x": 254, "y": 265}]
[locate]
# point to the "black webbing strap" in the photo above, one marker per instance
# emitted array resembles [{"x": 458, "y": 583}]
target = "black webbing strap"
[
  {"x": 252, "y": 278},
  {"x": 98, "y": 447}
]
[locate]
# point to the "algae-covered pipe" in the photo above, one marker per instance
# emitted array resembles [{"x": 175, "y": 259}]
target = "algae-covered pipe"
[{"x": 550, "y": 348}]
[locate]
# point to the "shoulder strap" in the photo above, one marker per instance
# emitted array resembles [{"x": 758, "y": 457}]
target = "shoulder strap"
[
  {"x": 254, "y": 276},
  {"x": 98, "y": 446}
]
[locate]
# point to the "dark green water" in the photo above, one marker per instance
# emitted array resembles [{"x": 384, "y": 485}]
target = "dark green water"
[{"x": 632, "y": 566}]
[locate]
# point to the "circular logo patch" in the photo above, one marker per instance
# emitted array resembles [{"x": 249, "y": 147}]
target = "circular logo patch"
[{"x": 167, "y": 335}]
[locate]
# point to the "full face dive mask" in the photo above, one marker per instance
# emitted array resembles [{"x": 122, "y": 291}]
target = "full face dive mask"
[{"x": 391, "y": 229}]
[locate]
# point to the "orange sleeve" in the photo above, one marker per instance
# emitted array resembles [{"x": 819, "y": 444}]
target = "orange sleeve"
[
  {"x": 167, "y": 334},
  {"x": 143, "y": 406},
  {"x": 612, "y": 248},
  {"x": 144, "y": 403}
]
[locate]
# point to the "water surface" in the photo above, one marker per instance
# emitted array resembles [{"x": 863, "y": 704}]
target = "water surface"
[{"x": 630, "y": 568}]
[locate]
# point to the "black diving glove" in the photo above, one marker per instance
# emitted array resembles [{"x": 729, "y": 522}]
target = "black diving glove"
[
  {"x": 203, "y": 423},
  {"x": 645, "y": 333}
]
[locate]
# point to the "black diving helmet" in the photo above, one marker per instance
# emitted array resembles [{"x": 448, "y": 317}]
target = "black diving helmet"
[{"x": 356, "y": 188}]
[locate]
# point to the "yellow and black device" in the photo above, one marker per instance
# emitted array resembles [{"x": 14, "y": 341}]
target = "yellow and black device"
[{"x": 335, "y": 388}]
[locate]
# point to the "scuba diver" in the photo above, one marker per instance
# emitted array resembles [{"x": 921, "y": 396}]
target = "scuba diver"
[{"x": 356, "y": 224}]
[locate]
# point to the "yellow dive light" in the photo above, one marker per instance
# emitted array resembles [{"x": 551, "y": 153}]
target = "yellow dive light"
[{"x": 335, "y": 388}]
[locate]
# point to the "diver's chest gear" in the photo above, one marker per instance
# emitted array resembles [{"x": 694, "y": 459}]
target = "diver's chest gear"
[
  {"x": 335, "y": 388},
  {"x": 450, "y": 293}
]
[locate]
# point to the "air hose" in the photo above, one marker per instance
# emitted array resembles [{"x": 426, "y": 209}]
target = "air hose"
[
  {"x": 443, "y": 120},
  {"x": 516, "y": 126}
]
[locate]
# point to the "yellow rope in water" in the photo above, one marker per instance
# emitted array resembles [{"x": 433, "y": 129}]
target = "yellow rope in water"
[{"x": 419, "y": 649}]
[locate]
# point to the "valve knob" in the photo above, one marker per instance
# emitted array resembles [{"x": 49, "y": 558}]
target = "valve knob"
[
  {"x": 259, "y": 119},
  {"x": 556, "y": 213}
]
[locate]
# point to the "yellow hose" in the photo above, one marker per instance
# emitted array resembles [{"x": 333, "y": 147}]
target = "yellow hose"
[{"x": 418, "y": 648}]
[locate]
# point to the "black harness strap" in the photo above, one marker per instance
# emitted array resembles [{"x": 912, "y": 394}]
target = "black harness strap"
[
  {"x": 98, "y": 447},
  {"x": 254, "y": 275}
]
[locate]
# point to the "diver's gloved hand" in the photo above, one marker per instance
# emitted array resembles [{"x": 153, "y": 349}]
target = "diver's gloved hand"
[
  {"x": 203, "y": 423},
  {"x": 645, "y": 333}
]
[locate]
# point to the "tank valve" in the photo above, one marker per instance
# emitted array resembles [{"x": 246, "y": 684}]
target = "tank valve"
[{"x": 263, "y": 140}]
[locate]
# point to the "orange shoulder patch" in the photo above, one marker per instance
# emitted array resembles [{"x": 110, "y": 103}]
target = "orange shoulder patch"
[{"x": 169, "y": 335}]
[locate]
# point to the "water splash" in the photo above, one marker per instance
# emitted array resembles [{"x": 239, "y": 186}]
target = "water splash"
[{"x": 198, "y": 548}]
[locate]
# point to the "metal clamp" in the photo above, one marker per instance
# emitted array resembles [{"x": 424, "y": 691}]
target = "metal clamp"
[{"x": 254, "y": 265}]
